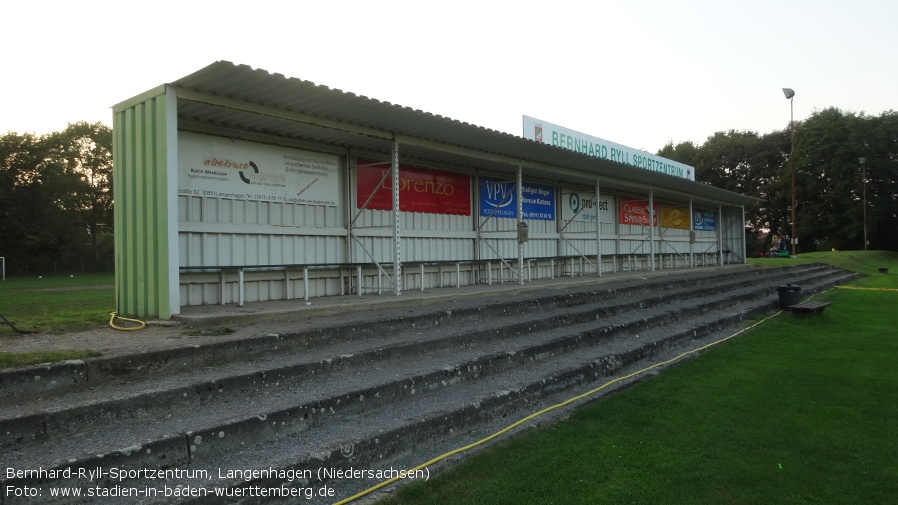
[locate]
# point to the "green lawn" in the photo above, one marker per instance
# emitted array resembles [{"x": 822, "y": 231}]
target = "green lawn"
[
  {"x": 57, "y": 304},
  {"x": 54, "y": 305},
  {"x": 798, "y": 411}
]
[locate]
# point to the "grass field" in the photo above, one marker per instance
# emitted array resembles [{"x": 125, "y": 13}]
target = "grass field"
[
  {"x": 55, "y": 305},
  {"x": 798, "y": 411}
]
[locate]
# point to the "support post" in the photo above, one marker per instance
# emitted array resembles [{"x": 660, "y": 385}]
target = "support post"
[
  {"x": 397, "y": 240},
  {"x": 305, "y": 283},
  {"x": 744, "y": 245},
  {"x": 652, "y": 229},
  {"x": 240, "y": 287},
  {"x": 691, "y": 235},
  {"x": 598, "y": 231},
  {"x": 520, "y": 211},
  {"x": 720, "y": 234}
]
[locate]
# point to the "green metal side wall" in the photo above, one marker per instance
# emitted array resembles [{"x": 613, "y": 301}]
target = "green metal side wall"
[{"x": 142, "y": 265}]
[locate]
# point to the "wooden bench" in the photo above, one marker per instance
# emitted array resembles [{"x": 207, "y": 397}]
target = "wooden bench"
[{"x": 808, "y": 308}]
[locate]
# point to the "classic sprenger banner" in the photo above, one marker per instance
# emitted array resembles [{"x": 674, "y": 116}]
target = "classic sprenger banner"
[{"x": 635, "y": 212}]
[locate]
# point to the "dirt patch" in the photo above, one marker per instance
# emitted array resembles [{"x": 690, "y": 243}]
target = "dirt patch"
[{"x": 111, "y": 342}]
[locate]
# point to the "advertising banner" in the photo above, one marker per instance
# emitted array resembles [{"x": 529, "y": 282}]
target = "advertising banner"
[
  {"x": 499, "y": 198},
  {"x": 704, "y": 221},
  {"x": 631, "y": 211},
  {"x": 420, "y": 189},
  {"x": 227, "y": 168},
  {"x": 674, "y": 217},
  {"x": 547, "y": 133},
  {"x": 580, "y": 206}
]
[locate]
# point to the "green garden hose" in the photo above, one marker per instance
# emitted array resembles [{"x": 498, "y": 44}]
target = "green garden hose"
[{"x": 113, "y": 317}]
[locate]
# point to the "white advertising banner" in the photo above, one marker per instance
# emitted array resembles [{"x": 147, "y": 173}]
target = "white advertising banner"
[
  {"x": 581, "y": 206},
  {"x": 565, "y": 138},
  {"x": 226, "y": 168}
]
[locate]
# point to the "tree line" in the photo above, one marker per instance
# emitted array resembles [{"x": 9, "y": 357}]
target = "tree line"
[
  {"x": 56, "y": 201},
  {"x": 830, "y": 187},
  {"x": 56, "y": 189}
]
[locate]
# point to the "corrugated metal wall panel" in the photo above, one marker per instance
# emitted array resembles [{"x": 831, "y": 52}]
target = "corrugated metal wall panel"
[
  {"x": 224, "y": 232},
  {"x": 576, "y": 247},
  {"x": 140, "y": 161},
  {"x": 428, "y": 249}
]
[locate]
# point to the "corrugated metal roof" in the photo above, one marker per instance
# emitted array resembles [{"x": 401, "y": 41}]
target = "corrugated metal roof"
[{"x": 255, "y": 100}]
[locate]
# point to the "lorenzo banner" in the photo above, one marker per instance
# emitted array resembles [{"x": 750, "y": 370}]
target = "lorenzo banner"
[{"x": 420, "y": 189}]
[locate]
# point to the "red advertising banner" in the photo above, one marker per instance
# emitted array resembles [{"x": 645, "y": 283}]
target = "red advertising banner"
[
  {"x": 630, "y": 211},
  {"x": 420, "y": 190}
]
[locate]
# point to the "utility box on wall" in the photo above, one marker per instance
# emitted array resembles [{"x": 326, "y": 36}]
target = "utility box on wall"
[{"x": 523, "y": 232}]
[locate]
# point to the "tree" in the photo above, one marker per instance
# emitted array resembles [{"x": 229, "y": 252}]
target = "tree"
[
  {"x": 876, "y": 140},
  {"x": 749, "y": 164},
  {"x": 684, "y": 152},
  {"x": 83, "y": 155},
  {"x": 831, "y": 202},
  {"x": 829, "y": 184},
  {"x": 20, "y": 159},
  {"x": 56, "y": 194}
]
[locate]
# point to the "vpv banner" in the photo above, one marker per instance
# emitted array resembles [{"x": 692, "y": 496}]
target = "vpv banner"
[
  {"x": 704, "y": 221},
  {"x": 499, "y": 198},
  {"x": 420, "y": 189}
]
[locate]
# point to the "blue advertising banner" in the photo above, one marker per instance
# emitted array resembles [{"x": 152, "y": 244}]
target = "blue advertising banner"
[
  {"x": 499, "y": 198},
  {"x": 704, "y": 221}
]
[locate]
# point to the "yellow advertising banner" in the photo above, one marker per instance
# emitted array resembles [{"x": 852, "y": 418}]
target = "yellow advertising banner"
[{"x": 674, "y": 217}]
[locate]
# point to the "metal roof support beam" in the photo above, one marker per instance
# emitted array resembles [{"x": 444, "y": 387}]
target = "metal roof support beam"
[
  {"x": 598, "y": 231},
  {"x": 520, "y": 212},
  {"x": 744, "y": 246},
  {"x": 652, "y": 228},
  {"x": 691, "y": 236},
  {"x": 720, "y": 234},
  {"x": 397, "y": 239},
  {"x": 379, "y": 184}
]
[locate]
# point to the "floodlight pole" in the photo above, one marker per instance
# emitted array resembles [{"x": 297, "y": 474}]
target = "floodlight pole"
[
  {"x": 864, "y": 177},
  {"x": 790, "y": 95}
]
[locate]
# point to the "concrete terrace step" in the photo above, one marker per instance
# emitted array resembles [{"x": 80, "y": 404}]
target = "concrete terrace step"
[
  {"x": 426, "y": 395},
  {"x": 41, "y": 381},
  {"x": 76, "y": 412}
]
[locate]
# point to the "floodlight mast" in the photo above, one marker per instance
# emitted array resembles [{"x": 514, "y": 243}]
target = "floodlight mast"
[{"x": 789, "y": 95}]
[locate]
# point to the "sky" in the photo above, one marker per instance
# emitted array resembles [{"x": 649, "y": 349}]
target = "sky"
[{"x": 640, "y": 73}]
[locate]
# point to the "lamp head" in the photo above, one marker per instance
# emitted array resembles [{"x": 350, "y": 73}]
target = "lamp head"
[
  {"x": 788, "y": 92},
  {"x": 862, "y": 160}
]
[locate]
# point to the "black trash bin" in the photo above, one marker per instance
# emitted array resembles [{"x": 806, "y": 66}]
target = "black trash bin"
[{"x": 790, "y": 295}]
